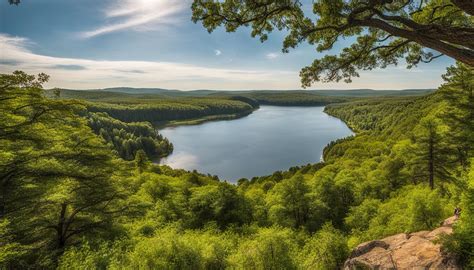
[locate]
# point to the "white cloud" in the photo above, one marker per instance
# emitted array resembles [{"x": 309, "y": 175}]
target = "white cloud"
[
  {"x": 85, "y": 74},
  {"x": 78, "y": 73},
  {"x": 139, "y": 15},
  {"x": 217, "y": 52},
  {"x": 271, "y": 55}
]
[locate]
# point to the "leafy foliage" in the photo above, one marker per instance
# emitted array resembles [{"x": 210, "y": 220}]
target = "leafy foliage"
[
  {"x": 67, "y": 200},
  {"x": 128, "y": 138},
  {"x": 56, "y": 174},
  {"x": 382, "y": 31},
  {"x": 292, "y": 98}
]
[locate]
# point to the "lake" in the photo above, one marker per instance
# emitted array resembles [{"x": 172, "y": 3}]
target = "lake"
[{"x": 270, "y": 139}]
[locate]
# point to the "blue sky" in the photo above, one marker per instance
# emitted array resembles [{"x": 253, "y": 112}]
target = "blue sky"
[{"x": 86, "y": 44}]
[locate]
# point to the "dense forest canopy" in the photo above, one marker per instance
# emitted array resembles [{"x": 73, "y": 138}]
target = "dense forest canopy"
[
  {"x": 128, "y": 138},
  {"x": 156, "y": 108},
  {"x": 78, "y": 189},
  {"x": 68, "y": 199},
  {"x": 383, "y": 30}
]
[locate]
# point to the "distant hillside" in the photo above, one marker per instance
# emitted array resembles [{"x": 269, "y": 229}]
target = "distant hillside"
[
  {"x": 373, "y": 93},
  {"x": 160, "y": 96},
  {"x": 159, "y": 91},
  {"x": 89, "y": 94},
  {"x": 202, "y": 93},
  {"x": 335, "y": 92}
]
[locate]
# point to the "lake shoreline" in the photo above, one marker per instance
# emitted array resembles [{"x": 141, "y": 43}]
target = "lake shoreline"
[
  {"x": 309, "y": 127},
  {"x": 202, "y": 120},
  {"x": 352, "y": 128}
]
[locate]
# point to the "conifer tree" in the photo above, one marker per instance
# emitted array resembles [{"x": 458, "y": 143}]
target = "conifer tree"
[
  {"x": 458, "y": 91},
  {"x": 432, "y": 158}
]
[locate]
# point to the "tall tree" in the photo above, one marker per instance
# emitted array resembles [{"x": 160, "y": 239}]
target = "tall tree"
[
  {"x": 141, "y": 161},
  {"x": 384, "y": 30},
  {"x": 432, "y": 157},
  {"x": 458, "y": 91},
  {"x": 56, "y": 175},
  {"x": 289, "y": 202},
  {"x": 219, "y": 203}
]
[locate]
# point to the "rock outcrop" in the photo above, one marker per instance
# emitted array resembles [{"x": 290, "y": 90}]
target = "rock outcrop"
[{"x": 404, "y": 251}]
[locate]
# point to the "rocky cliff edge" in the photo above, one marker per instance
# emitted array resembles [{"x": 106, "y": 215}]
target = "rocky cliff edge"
[{"x": 405, "y": 251}]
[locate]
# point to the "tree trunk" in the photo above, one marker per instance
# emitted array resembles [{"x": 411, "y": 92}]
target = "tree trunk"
[
  {"x": 2, "y": 200},
  {"x": 61, "y": 227},
  {"x": 465, "y": 56},
  {"x": 431, "y": 162},
  {"x": 3, "y": 193}
]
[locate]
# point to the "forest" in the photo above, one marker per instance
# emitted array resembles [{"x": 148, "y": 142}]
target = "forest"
[
  {"x": 292, "y": 98},
  {"x": 157, "y": 108},
  {"x": 128, "y": 138},
  {"x": 78, "y": 189},
  {"x": 168, "y": 110}
]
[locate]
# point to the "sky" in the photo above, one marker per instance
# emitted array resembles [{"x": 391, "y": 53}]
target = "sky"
[{"x": 89, "y": 44}]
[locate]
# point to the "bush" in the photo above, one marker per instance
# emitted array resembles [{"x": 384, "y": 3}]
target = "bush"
[
  {"x": 270, "y": 248},
  {"x": 413, "y": 208},
  {"x": 326, "y": 249},
  {"x": 461, "y": 242}
]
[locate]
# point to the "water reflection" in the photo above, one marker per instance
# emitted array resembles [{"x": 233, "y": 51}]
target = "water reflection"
[{"x": 272, "y": 138}]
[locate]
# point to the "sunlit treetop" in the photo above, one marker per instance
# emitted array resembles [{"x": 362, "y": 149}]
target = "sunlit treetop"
[{"x": 383, "y": 30}]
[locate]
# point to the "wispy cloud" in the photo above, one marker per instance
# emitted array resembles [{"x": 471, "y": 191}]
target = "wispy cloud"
[
  {"x": 77, "y": 73},
  {"x": 138, "y": 15},
  {"x": 271, "y": 55},
  {"x": 85, "y": 74},
  {"x": 69, "y": 67},
  {"x": 217, "y": 52}
]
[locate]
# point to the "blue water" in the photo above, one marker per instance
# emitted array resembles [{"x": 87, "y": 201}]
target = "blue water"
[{"x": 270, "y": 139}]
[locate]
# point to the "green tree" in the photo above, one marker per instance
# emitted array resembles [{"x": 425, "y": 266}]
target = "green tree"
[
  {"x": 219, "y": 203},
  {"x": 167, "y": 250},
  {"x": 141, "y": 161},
  {"x": 270, "y": 248},
  {"x": 458, "y": 91},
  {"x": 336, "y": 196},
  {"x": 56, "y": 93},
  {"x": 413, "y": 208},
  {"x": 462, "y": 240},
  {"x": 291, "y": 204},
  {"x": 433, "y": 159},
  {"x": 383, "y": 30},
  {"x": 359, "y": 216},
  {"x": 10, "y": 251},
  {"x": 326, "y": 249},
  {"x": 55, "y": 173}
]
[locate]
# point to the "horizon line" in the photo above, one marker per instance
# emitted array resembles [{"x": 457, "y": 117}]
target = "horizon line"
[{"x": 239, "y": 90}]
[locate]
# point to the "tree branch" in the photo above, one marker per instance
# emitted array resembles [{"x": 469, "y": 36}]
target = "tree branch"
[{"x": 466, "y": 5}]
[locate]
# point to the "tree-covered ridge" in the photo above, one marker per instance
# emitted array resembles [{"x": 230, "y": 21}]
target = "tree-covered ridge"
[
  {"x": 128, "y": 138},
  {"x": 168, "y": 111},
  {"x": 177, "y": 105},
  {"x": 127, "y": 94},
  {"x": 288, "y": 98},
  {"x": 155, "y": 108},
  {"x": 383, "y": 115},
  {"x": 162, "y": 108},
  {"x": 69, "y": 202}
]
